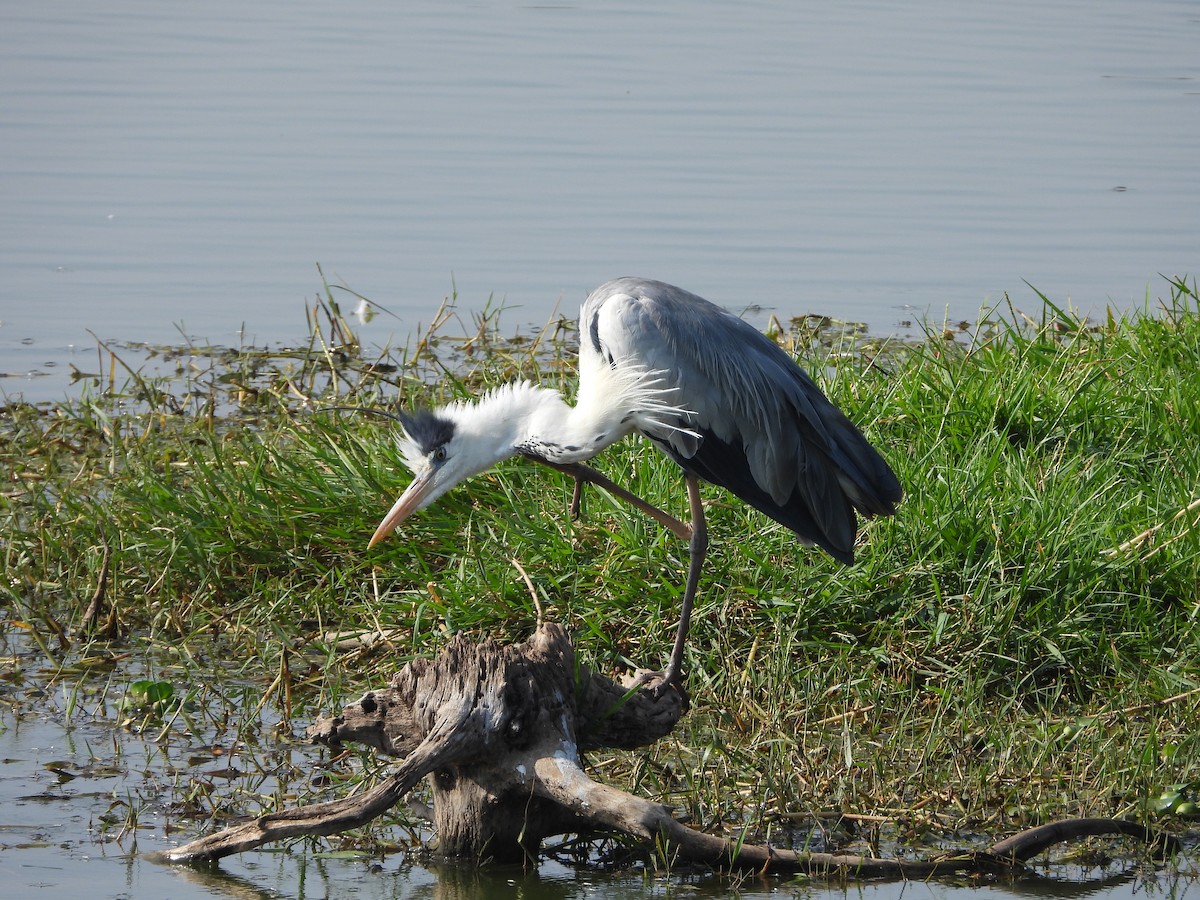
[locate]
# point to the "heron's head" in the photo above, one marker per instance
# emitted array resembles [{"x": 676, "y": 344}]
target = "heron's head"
[{"x": 445, "y": 446}]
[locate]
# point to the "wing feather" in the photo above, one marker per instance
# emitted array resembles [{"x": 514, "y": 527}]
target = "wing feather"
[{"x": 766, "y": 431}]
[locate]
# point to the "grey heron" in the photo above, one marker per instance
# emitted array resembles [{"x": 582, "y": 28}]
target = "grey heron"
[{"x": 711, "y": 391}]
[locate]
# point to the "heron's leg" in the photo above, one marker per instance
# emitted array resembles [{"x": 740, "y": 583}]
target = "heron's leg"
[
  {"x": 696, "y": 534},
  {"x": 697, "y": 550},
  {"x": 582, "y": 473},
  {"x": 576, "y": 498}
]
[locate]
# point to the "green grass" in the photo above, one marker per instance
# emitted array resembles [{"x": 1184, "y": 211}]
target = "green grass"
[{"x": 1019, "y": 643}]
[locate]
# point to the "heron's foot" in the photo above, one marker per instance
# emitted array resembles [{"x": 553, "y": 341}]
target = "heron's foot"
[{"x": 659, "y": 683}]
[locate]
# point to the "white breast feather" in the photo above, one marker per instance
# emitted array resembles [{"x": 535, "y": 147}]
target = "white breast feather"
[{"x": 635, "y": 392}]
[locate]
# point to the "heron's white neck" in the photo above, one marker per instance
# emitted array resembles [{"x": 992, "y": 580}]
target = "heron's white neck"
[{"x": 524, "y": 418}]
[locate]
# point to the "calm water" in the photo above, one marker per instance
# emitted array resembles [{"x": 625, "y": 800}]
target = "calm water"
[{"x": 169, "y": 168}]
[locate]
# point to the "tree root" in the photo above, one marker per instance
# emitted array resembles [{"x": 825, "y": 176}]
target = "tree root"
[{"x": 498, "y": 730}]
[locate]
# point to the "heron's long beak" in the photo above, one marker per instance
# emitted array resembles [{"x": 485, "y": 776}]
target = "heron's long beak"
[{"x": 410, "y": 501}]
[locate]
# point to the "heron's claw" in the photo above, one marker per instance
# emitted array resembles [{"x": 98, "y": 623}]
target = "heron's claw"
[{"x": 659, "y": 683}]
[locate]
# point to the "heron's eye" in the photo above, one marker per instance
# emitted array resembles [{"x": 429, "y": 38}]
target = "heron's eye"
[{"x": 440, "y": 454}]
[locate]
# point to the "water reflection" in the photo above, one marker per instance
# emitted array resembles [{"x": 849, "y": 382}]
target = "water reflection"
[{"x": 166, "y": 165}]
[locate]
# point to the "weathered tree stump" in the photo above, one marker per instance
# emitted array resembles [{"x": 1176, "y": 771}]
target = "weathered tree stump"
[{"x": 498, "y": 730}]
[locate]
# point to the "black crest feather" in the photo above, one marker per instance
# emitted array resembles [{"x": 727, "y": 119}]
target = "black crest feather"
[{"x": 427, "y": 429}]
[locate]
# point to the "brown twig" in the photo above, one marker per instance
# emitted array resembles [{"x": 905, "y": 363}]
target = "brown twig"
[
  {"x": 1147, "y": 537},
  {"x": 91, "y": 615}
]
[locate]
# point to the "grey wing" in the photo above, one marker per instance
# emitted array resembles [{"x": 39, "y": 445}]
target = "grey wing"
[{"x": 767, "y": 432}]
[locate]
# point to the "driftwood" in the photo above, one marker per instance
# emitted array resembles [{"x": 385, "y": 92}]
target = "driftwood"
[{"x": 498, "y": 731}]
